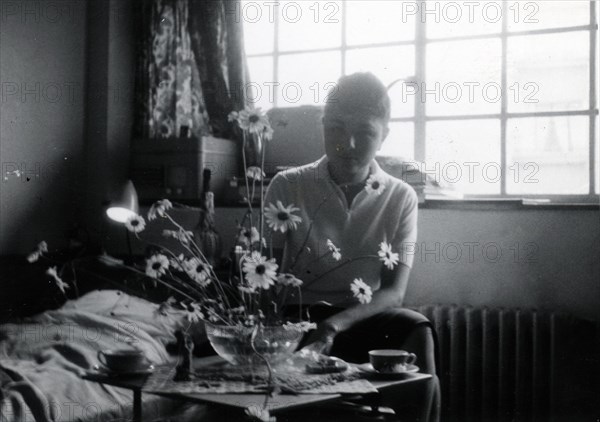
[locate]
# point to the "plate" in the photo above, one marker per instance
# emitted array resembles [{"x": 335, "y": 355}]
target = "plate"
[
  {"x": 104, "y": 370},
  {"x": 326, "y": 365},
  {"x": 367, "y": 368}
]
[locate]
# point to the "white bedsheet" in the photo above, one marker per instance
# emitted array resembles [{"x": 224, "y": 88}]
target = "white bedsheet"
[{"x": 42, "y": 358}]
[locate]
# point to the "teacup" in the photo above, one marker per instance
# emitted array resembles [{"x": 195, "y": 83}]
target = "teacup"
[
  {"x": 391, "y": 360},
  {"x": 123, "y": 360}
]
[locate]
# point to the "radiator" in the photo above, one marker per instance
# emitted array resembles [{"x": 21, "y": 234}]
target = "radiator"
[{"x": 514, "y": 365}]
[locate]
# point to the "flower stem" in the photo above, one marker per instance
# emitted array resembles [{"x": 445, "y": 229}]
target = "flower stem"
[
  {"x": 262, "y": 193},
  {"x": 317, "y": 259},
  {"x": 248, "y": 199},
  {"x": 312, "y": 220},
  {"x": 135, "y": 270},
  {"x": 270, "y": 386},
  {"x": 349, "y": 260}
]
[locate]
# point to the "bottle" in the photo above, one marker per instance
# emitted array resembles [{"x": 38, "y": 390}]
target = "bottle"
[{"x": 205, "y": 233}]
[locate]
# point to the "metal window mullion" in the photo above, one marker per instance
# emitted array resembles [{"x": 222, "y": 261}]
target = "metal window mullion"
[
  {"x": 505, "y": 31},
  {"x": 512, "y": 115},
  {"x": 593, "y": 163},
  {"x": 429, "y": 40},
  {"x": 504, "y": 103},
  {"x": 276, "y": 56},
  {"x": 420, "y": 110}
]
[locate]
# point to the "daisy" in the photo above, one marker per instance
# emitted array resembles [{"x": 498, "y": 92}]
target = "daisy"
[
  {"x": 255, "y": 173},
  {"x": 159, "y": 208},
  {"x": 259, "y": 414},
  {"x": 375, "y": 185},
  {"x": 361, "y": 291},
  {"x": 335, "y": 251},
  {"x": 212, "y": 315},
  {"x": 234, "y": 115},
  {"x": 183, "y": 236},
  {"x": 238, "y": 310},
  {"x": 198, "y": 271},
  {"x": 303, "y": 326},
  {"x": 135, "y": 223},
  {"x": 165, "y": 306},
  {"x": 42, "y": 247},
  {"x": 260, "y": 272},
  {"x": 286, "y": 279},
  {"x": 250, "y": 321},
  {"x": 156, "y": 265},
  {"x": 281, "y": 218},
  {"x": 389, "y": 258},
  {"x": 59, "y": 283},
  {"x": 248, "y": 236},
  {"x": 253, "y": 120},
  {"x": 268, "y": 133},
  {"x": 177, "y": 263},
  {"x": 194, "y": 312},
  {"x": 247, "y": 289},
  {"x": 33, "y": 256}
]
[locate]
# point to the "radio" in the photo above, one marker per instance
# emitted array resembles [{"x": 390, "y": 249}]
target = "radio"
[{"x": 172, "y": 168}]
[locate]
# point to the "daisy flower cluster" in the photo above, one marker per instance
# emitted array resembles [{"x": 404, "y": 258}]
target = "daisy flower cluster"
[{"x": 254, "y": 289}]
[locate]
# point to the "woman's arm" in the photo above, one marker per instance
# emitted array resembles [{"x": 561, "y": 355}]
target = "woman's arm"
[{"x": 391, "y": 293}]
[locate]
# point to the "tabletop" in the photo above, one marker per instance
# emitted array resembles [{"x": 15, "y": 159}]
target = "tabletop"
[{"x": 278, "y": 402}]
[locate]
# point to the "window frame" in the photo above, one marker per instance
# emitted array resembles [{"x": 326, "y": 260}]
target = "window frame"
[{"x": 420, "y": 117}]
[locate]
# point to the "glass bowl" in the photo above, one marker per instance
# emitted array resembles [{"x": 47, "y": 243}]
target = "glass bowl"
[{"x": 233, "y": 343}]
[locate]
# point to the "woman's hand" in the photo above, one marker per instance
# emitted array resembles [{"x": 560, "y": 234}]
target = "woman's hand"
[{"x": 321, "y": 339}]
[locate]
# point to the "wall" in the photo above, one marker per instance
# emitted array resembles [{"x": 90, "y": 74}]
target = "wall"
[
  {"x": 42, "y": 73},
  {"x": 67, "y": 73},
  {"x": 529, "y": 258},
  {"x": 111, "y": 70},
  {"x": 514, "y": 258}
]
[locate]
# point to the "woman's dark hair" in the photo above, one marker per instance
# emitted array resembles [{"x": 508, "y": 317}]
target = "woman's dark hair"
[{"x": 362, "y": 92}]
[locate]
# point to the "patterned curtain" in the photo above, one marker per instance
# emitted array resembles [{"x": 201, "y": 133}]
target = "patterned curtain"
[{"x": 191, "y": 67}]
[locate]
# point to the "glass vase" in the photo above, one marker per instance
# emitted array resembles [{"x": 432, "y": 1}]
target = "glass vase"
[{"x": 233, "y": 343}]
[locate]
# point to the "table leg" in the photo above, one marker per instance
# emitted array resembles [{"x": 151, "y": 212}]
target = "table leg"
[{"x": 137, "y": 405}]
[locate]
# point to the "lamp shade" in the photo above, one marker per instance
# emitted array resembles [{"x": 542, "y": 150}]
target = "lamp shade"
[{"x": 125, "y": 203}]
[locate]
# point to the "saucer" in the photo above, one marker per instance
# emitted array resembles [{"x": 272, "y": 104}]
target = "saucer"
[
  {"x": 141, "y": 371},
  {"x": 367, "y": 368}
]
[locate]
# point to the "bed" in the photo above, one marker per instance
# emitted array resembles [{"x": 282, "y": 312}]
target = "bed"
[{"x": 43, "y": 356}]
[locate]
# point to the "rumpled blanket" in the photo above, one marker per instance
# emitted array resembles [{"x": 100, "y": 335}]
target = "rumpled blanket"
[{"x": 43, "y": 357}]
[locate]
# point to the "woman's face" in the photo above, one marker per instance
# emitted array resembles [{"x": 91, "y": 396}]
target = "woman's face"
[{"x": 352, "y": 139}]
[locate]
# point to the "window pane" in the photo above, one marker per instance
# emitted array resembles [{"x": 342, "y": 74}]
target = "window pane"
[
  {"x": 307, "y": 78},
  {"x": 454, "y": 19},
  {"x": 465, "y": 155},
  {"x": 547, "y": 155},
  {"x": 402, "y": 98},
  {"x": 400, "y": 142},
  {"x": 530, "y": 15},
  {"x": 261, "y": 74},
  {"x": 369, "y": 22},
  {"x": 307, "y": 25},
  {"x": 388, "y": 64},
  {"x": 259, "y": 27},
  {"x": 548, "y": 72},
  {"x": 463, "y": 77}
]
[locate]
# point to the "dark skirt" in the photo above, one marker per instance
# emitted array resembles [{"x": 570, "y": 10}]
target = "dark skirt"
[{"x": 385, "y": 330}]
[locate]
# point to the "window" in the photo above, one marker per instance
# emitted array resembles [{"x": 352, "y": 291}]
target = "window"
[{"x": 492, "y": 98}]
